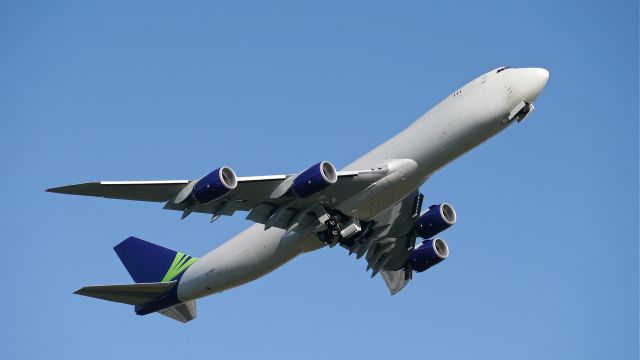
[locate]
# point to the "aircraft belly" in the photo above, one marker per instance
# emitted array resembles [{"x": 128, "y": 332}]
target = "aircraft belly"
[{"x": 246, "y": 257}]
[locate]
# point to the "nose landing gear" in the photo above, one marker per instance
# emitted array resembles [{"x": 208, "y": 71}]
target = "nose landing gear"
[{"x": 521, "y": 111}]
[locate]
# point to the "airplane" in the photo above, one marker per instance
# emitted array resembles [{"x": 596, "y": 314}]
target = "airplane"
[{"x": 372, "y": 207}]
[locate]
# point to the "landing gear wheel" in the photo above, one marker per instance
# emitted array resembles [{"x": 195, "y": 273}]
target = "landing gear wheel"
[
  {"x": 333, "y": 221},
  {"x": 335, "y": 231}
]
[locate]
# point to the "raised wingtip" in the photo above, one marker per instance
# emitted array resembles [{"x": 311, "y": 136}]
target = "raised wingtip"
[
  {"x": 82, "y": 291},
  {"x": 90, "y": 189},
  {"x": 59, "y": 190}
]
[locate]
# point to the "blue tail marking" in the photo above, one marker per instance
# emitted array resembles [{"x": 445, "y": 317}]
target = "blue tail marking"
[{"x": 147, "y": 262}]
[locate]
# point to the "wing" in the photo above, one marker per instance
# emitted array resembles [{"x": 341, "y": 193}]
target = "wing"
[
  {"x": 157, "y": 191},
  {"x": 388, "y": 240},
  {"x": 261, "y": 196}
]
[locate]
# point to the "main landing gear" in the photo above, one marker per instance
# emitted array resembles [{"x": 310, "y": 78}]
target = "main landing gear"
[
  {"x": 341, "y": 229},
  {"x": 332, "y": 236}
]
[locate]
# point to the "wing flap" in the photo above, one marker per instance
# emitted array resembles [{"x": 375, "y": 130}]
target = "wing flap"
[{"x": 395, "y": 280}]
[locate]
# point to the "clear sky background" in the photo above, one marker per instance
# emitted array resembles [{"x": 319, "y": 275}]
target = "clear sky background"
[{"x": 544, "y": 258}]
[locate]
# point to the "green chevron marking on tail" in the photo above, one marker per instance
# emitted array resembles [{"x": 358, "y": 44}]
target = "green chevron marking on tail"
[{"x": 180, "y": 263}]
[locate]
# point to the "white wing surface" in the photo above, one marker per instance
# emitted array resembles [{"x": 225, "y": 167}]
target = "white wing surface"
[{"x": 261, "y": 196}]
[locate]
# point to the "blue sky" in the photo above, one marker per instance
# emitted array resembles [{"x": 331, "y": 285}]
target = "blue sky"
[{"x": 544, "y": 258}]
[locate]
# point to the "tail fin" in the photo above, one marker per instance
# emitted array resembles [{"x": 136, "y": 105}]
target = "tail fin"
[{"x": 150, "y": 263}]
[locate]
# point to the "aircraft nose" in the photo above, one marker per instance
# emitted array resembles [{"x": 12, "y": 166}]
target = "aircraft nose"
[
  {"x": 542, "y": 76},
  {"x": 535, "y": 81}
]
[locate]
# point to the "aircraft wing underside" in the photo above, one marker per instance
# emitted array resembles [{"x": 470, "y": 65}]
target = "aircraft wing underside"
[
  {"x": 389, "y": 242},
  {"x": 261, "y": 196}
]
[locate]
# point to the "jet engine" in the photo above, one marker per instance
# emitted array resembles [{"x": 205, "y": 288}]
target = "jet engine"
[
  {"x": 429, "y": 253},
  {"x": 314, "y": 179},
  {"x": 438, "y": 218},
  {"x": 214, "y": 185}
]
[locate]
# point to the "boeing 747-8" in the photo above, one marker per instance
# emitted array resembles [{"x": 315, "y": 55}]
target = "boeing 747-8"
[{"x": 372, "y": 207}]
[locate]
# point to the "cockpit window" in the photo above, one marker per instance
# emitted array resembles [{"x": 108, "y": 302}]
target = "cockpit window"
[{"x": 503, "y": 69}]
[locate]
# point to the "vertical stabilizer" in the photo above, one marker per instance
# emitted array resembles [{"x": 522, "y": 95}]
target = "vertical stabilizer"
[{"x": 149, "y": 263}]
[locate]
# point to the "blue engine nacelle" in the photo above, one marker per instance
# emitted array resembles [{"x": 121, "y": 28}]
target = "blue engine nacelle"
[
  {"x": 314, "y": 179},
  {"x": 215, "y": 184},
  {"x": 435, "y": 220},
  {"x": 429, "y": 253}
]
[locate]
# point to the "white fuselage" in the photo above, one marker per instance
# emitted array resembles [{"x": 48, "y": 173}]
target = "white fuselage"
[{"x": 460, "y": 122}]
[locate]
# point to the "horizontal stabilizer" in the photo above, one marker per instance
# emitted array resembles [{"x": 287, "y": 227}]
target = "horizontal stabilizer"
[
  {"x": 132, "y": 294},
  {"x": 183, "y": 312}
]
